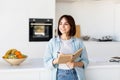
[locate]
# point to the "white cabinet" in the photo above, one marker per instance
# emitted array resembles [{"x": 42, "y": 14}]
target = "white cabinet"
[
  {"x": 103, "y": 71},
  {"x": 19, "y": 75},
  {"x": 45, "y": 75},
  {"x": 31, "y": 69},
  {"x": 34, "y": 70}
]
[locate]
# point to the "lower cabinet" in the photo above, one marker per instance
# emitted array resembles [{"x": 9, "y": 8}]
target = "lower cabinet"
[
  {"x": 43, "y": 74},
  {"x": 104, "y": 73},
  {"x": 19, "y": 75}
]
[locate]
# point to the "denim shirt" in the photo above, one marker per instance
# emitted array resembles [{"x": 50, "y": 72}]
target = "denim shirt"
[{"x": 52, "y": 52}]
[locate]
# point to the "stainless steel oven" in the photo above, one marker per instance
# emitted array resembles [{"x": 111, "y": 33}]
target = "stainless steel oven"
[{"x": 40, "y": 29}]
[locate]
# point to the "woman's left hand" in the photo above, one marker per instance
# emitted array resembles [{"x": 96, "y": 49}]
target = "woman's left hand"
[{"x": 70, "y": 64}]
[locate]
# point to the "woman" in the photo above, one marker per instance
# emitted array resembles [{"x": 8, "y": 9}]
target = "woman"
[{"x": 66, "y": 43}]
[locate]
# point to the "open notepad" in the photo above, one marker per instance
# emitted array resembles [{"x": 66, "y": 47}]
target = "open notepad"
[{"x": 64, "y": 58}]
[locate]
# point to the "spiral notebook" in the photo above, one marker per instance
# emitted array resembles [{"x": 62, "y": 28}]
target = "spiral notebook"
[{"x": 64, "y": 58}]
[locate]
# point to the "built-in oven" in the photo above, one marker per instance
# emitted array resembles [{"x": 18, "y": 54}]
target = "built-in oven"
[{"x": 40, "y": 29}]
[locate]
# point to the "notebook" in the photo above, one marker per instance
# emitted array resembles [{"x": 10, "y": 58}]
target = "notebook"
[{"x": 64, "y": 58}]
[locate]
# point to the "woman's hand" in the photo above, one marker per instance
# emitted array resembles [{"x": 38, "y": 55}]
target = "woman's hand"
[
  {"x": 55, "y": 61},
  {"x": 74, "y": 64},
  {"x": 70, "y": 64}
]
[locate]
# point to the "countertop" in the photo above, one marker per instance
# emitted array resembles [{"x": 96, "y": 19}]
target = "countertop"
[
  {"x": 28, "y": 64},
  {"x": 92, "y": 65},
  {"x": 37, "y": 64}
]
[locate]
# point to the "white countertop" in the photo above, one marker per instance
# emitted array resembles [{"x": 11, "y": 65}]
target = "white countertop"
[
  {"x": 104, "y": 65},
  {"x": 28, "y": 64},
  {"x": 37, "y": 64}
]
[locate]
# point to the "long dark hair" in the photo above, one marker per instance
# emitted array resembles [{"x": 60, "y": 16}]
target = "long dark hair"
[{"x": 71, "y": 22}]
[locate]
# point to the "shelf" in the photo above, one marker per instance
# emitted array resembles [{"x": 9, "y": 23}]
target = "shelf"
[{"x": 67, "y": 0}]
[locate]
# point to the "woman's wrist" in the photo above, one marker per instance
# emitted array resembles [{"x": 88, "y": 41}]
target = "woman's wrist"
[
  {"x": 78, "y": 64},
  {"x": 53, "y": 61}
]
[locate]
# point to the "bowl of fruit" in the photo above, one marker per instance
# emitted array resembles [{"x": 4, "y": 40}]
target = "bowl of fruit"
[{"x": 14, "y": 57}]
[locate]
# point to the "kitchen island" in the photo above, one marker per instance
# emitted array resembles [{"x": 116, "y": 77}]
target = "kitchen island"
[{"x": 33, "y": 69}]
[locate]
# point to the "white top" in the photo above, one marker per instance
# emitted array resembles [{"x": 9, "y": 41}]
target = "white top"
[{"x": 66, "y": 48}]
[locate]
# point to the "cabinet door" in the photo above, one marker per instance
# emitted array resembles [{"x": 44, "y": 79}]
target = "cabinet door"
[
  {"x": 45, "y": 75},
  {"x": 19, "y": 75},
  {"x": 106, "y": 73}
]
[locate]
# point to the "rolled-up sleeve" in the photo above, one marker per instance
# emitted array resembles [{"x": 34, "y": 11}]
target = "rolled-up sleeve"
[
  {"x": 84, "y": 57},
  {"x": 48, "y": 56}
]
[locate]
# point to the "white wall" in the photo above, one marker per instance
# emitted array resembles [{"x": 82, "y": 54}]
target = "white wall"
[
  {"x": 96, "y": 18},
  {"x": 102, "y": 51},
  {"x": 117, "y": 22},
  {"x": 14, "y": 24}
]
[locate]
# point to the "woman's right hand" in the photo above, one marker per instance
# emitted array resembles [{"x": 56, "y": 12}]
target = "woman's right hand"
[{"x": 55, "y": 61}]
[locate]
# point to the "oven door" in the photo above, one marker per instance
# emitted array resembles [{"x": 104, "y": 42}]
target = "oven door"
[{"x": 40, "y": 31}]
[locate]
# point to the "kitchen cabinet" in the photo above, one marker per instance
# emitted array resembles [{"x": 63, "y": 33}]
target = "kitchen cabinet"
[
  {"x": 45, "y": 75},
  {"x": 19, "y": 75},
  {"x": 31, "y": 69},
  {"x": 103, "y": 71}
]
